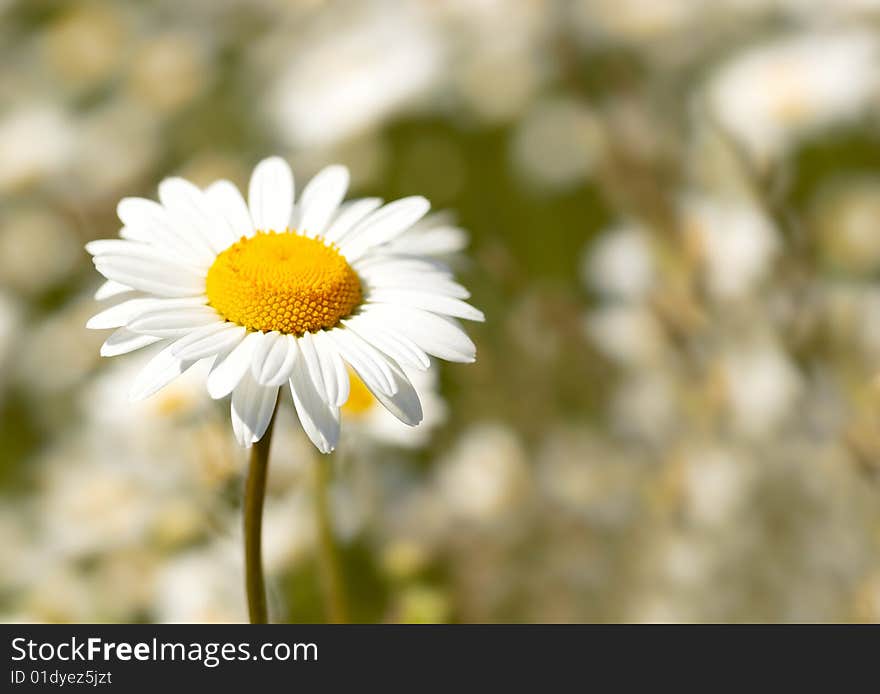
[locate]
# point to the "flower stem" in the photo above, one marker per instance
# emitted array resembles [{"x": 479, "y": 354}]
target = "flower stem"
[
  {"x": 328, "y": 556},
  {"x": 254, "y": 494}
]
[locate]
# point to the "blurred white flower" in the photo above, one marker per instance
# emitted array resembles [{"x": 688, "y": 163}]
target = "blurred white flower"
[
  {"x": 736, "y": 243},
  {"x": 632, "y": 20},
  {"x": 123, "y": 584},
  {"x": 811, "y": 11},
  {"x": 499, "y": 84},
  {"x": 557, "y": 143},
  {"x": 37, "y": 141},
  {"x": 418, "y": 514},
  {"x": 360, "y": 67},
  {"x": 497, "y": 74},
  {"x": 61, "y": 594},
  {"x": 645, "y": 406},
  {"x": 774, "y": 93},
  {"x": 716, "y": 483},
  {"x": 37, "y": 249},
  {"x": 628, "y": 334},
  {"x": 116, "y": 144},
  {"x": 104, "y": 399},
  {"x": 55, "y": 352},
  {"x": 684, "y": 562},
  {"x": 168, "y": 71},
  {"x": 92, "y": 503},
  {"x": 84, "y": 44},
  {"x": 844, "y": 215},
  {"x": 762, "y": 386},
  {"x": 202, "y": 586},
  {"x": 581, "y": 473},
  {"x": 10, "y": 318},
  {"x": 288, "y": 528},
  {"x": 620, "y": 264},
  {"x": 484, "y": 475},
  {"x": 177, "y": 423},
  {"x": 22, "y": 554}
]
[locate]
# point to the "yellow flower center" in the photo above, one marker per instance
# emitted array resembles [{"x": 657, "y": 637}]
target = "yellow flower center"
[
  {"x": 360, "y": 399},
  {"x": 283, "y": 282}
]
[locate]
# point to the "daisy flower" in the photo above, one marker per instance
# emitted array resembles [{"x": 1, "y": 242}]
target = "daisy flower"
[
  {"x": 771, "y": 95},
  {"x": 273, "y": 293}
]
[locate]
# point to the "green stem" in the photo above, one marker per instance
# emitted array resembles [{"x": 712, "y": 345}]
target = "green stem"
[
  {"x": 254, "y": 494},
  {"x": 328, "y": 556}
]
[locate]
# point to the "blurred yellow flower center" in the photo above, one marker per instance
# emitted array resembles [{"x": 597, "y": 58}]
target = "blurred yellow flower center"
[
  {"x": 360, "y": 399},
  {"x": 283, "y": 282}
]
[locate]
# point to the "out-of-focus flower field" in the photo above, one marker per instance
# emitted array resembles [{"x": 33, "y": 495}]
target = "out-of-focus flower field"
[{"x": 674, "y": 219}]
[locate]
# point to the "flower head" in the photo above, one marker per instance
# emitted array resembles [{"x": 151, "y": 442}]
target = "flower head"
[
  {"x": 274, "y": 293},
  {"x": 770, "y": 95}
]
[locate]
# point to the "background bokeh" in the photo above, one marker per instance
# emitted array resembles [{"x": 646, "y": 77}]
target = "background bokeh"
[{"x": 674, "y": 213}]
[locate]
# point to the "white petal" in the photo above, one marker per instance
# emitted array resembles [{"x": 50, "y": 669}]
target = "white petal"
[
  {"x": 145, "y": 219},
  {"x": 273, "y": 360},
  {"x": 148, "y": 219},
  {"x": 110, "y": 289},
  {"x": 405, "y": 403},
  {"x": 433, "y": 282},
  {"x": 262, "y": 352},
  {"x": 139, "y": 234},
  {"x": 135, "y": 249},
  {"x": 192, "y": 216},
  {"x": 400, "y": 348},
  {"x": 378, "y": 263},
  {"x": 173, "y": 322},
  {"x": 441, "y": 240},
  {"x": 384, "y": 225},
  {"x": 251, "y": 409},
  {"x": 158, "y": 373},
  {"x": 124, "y": 341},
  {"x": 436, "y": 303},
  {"x": 110, "y": 250},
  {"x": 242, "y": 435},
  {"x": 118, "y": 315},
  {"x": 320, "y": 200},
  {"x": 307, "y": 350},
  {"x": 224, "y": 196},
  {"x": 319, "y": 420},
  {"x": 342, "y": 377},
  {"x": 209, "y": 340},
  {"x": 333, "y": 369},
  {"x": 125, "y": 312},
  {"x": 438, "y": 336},
  {"x": 227, "y": 374},
  {"x": 370, "y": 364},
  {"x": 162, "y": 279},
  {"x": 349, "y": 215},
  {"x": 270, "y": 194},
  {"x": 325, "y": 379}
]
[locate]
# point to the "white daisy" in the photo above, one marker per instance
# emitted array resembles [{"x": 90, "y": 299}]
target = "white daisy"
[
  {"x": 272, "y": 293},
  {"x": 771, "y": 95},
  {"x": 350, "y": 49}
]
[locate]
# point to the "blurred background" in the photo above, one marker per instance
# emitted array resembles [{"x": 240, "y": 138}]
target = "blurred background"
[{"x": 674, "y": 219}]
